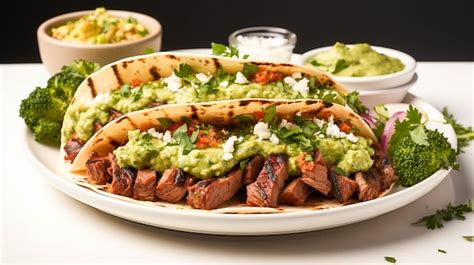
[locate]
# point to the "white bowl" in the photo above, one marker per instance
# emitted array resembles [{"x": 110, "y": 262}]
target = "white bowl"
[
  {"x": 372, "y": 82},
  {"x": 371, "y": 98}
]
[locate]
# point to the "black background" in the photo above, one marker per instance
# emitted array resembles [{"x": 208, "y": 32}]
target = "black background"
[{"x": 428, "y": 30}]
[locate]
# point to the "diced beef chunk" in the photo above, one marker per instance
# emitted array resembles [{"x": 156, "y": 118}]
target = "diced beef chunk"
[
  {"x": 295, "y": 193},
  {"x": 97, "y": 126},
  {"x": 369, "y": 185},
  {"x": 72, "y": 148},
  {"x": 97, "y": 169},
  {"x": 210, "y": 193},
  {"x": 114, "y": 114},
  {"x": 342, "y": 186},
  {"x": 253, "y": 168},
  {"x": 144, "y": 188},
  {"x": 315, "y": 173},
  {"x": 264, "y": 192},
  {"x": 122, "y": 179},
  {"x": 173, "y": 184},
  {"x": 154, "y": 104}
]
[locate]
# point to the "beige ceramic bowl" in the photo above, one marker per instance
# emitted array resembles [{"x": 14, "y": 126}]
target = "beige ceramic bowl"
[{"x": 55, "y": 53}]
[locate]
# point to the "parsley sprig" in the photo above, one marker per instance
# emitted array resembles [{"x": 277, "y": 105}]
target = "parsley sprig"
[
  {"x": 464, "y": 134},
  {"x": 226, "y": 51},
  {"x": 411, "y": 125},
  {"x": 450, "y": 213}
]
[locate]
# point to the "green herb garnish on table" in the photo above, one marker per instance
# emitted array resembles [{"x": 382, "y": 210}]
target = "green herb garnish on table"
[
  {"x": 390, "y": 259},
  {"x": 443, "y": 215},
  {"x": 464, "y": 134},
  {"x": 469, "y": 238}
]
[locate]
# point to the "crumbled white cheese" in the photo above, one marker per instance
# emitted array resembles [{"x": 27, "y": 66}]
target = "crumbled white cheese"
[
  {"x": 290, "y": 80},
  {"x": 173, "y": 82},
  {"x": 99, "y": 98},
  {"x": 229, "y": 144},
  {"x": 274, "y": 139},
  {"x": 224, "y": 84},
  {"x": 296, "y": 75},
  {"x": 227, "y": 156},
  {"x": 262, "y": 131},
  {"x": 154, "y": 133},
  {"x": 298, "y": 114},
  {"x": 286, "y": 124},
  {"x": 240, "y": 78},
  {"x": 302, "y": 86},
  {"x": 351, "y": 137},
  {"x": 167, "y": 137},
  {"x": 203, "y": 78}
]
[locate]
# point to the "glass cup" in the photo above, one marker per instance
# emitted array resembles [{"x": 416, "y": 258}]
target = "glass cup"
[{"x": 264, "y": 43}]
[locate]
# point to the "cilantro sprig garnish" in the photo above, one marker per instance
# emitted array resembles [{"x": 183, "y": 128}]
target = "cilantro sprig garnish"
[
  {"x": 249, "y": 69},
  {"x": 226, "y": 51},
  {"x": 469, "y": 238},
  {"x": 390, "y": 259},
  {"x": 185, "y": 141},
  {"x": 353, "y": 101},
  {"x": 411, "y": 125},
  {"x": 443, "y": 215},
  {"x": 464, "y": 134},
  {"x": 183, "y": 70}
]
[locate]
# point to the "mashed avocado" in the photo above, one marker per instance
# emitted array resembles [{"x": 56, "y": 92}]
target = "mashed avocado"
[
  {"x": 144, "y": 151},
  {"x": 99, "y": 28},
  {"x": 80, "y": 119},
  {"x": 358, "y": 60}
]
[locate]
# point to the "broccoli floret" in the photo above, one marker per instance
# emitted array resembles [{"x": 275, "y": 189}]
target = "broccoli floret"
[
  {"x": 43, "y": 113},
  {"x": 44, "y": 109},
  {"x": 414, "y": 162}
]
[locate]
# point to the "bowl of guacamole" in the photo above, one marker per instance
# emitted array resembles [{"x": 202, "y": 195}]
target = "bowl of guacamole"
[
  {"x": 361, "y": 66},
  {"x": 102, "y": 36}
]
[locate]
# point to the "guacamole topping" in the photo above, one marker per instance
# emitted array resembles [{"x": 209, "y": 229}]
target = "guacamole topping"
[
  {"x": 100, "y": 28},
  {"x": 205, "y": 151},
  {"x": 185, "y": 86},
  {"x": 357, "y": 61}
]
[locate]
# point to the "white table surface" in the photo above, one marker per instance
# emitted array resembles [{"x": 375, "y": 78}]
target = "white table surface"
[{"x": 41, "y": 224}]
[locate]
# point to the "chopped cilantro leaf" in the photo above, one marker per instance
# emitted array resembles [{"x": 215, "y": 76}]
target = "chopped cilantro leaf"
[
  {"x": 226, "y": 51},
  {"x": 354, "y": 102},
  {"x": 382, "y": 112},
  {"x": 464, "y": 134},
  {"x": 165, "y": 123},
  {"x": 418, "y": 135},
  {"x": 469, "y": 238},
  {"x": 183, "y": 140},
  {"x": 308, "y": 158},
  {"x": 340, "y": 64},
  {"x": 315, "y": 63},
  {"x": 442, "y": 251},
  {"x": 218, "y": 49},
  {"x": 390, "y": 259},
  {"x": 269, "y": 115},
  {"x": 125, "y": 90},
  {"x": 410, "y": 125},
  {"x": 148, "y": 50},
  {"x": 249, "y": 69},
  {"x": 183, "y": 71}
]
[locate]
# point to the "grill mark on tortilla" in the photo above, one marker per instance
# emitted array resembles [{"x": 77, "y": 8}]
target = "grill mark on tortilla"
[
  {"x": 329, "y": 82},
  {"x": 113, "y": 142},
  {"x": 124, "y": 64},
  {"x": 311, "y": 101},
  {"x": 327, "y": 104},
  {"x": 154, "y": 73},
  {"x": 216, "y": 63},
  {"x": 119, "y": 120},
  {"x": 99, "y": 140},
  {"x": 230, "y": 113},
  {"x": 90, "y": 83},
  {"x": 171, "y": 56},
  {"x": 141, "y": 60},
  {"x": 244, "y": 103},
  {"x": 117, "y": 74}
]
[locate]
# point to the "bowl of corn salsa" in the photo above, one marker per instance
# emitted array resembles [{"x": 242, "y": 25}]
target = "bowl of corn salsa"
[{"x": 99, "y": 35}]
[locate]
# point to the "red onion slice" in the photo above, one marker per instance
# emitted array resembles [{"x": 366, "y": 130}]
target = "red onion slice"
[
  {"x": 389, "y": 130},
  {"x": 368, "y": 119}
]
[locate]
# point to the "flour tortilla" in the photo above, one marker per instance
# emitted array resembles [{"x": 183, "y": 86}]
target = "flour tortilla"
[
  {"x": 115, "y": 134},
  {"x": 153, "y": 66}
]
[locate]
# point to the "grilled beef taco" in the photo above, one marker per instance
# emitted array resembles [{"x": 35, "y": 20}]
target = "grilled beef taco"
[
  {"x": 164, "y": 78},
  {"x": 238, "y": 156}
]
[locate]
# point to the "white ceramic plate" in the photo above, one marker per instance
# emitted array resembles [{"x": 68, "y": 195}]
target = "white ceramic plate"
[{"x": 200, "y": 221}]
